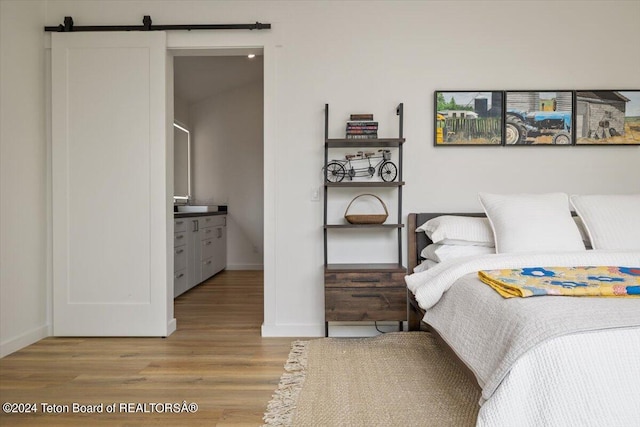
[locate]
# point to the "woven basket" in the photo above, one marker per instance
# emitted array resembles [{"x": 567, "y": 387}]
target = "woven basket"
[{"x": 366, "y": 218}]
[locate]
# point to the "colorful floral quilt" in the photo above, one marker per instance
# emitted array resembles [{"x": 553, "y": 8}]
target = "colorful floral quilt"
[{"x": 571, "y": 281}]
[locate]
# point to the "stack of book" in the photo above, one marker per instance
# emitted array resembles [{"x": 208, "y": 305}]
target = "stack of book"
[{"x": 361, "y": 126}]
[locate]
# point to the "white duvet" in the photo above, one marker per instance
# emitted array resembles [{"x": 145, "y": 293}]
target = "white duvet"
[
  {"x": 597, "y": 386},
  {"x": 537, "y": 372}
]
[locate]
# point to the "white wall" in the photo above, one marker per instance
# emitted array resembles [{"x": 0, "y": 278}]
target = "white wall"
[
  {"x": 357, "y": 59},
  {"x": 227, "y": 166},
  {"x": 181, "y": 111},
  {"x": 23, "y": 176}
]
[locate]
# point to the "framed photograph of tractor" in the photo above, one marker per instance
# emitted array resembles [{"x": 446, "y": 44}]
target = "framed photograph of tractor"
[
  {"x": 468, "y": 118},
  {"x": 538, "y": 118},
  {"x": 607, "y": 117}
]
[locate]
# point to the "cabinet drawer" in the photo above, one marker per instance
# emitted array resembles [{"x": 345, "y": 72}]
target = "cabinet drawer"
[
  {"x": 179, "y": 282},
  {"x": 208, "y": 268},
  {"x": 179, "y": 258},
  {"x": 179, "y": 239},
  {"x": 207, "y": 248},
  {"x": 216, "y": 232},
  {"x": 207, "y": 233},
  {"x": 366, "y": 280},
  {"x": 354, "y": 304},
  {"x": 211, "y": 221},
  {"x": 179, "y": 225}
]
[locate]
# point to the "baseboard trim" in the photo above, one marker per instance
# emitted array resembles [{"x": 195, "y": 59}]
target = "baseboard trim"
[
  {"x": 245, "y": 267},
  {"x": 293, "y": 330},
  {"x": 24, "y": 340},
  {"x": 336, "y": 329},
  {"x": 172, "y": 326}
]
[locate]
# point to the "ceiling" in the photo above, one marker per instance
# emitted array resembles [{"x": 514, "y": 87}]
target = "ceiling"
[{"x": 197, "y": 78}]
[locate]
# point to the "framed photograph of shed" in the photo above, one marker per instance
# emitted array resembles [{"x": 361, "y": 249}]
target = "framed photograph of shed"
[
  {"x": 608, "y": 117},
  {"x": 468, "y": 118},
  {"x": 538, "y": 118}
]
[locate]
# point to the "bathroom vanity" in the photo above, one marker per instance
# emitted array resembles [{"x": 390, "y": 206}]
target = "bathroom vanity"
[{"x": 199, "y": 248}]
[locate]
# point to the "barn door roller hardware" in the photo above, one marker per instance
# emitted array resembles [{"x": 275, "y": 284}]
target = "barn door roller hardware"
[{"x": 146, "y": 26}]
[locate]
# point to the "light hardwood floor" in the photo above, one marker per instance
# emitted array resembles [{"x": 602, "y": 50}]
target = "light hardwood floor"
[{"x": 216, "y": 358}]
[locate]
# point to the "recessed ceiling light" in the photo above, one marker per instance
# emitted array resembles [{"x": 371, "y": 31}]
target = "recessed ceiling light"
[{"x": 251, "y": 55}]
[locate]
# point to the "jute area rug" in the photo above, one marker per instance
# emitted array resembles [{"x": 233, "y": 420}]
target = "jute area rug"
[{"x": 395, "y": 379}]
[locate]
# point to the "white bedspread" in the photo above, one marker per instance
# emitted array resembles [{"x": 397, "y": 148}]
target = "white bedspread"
[
  {"x": 539, "y": 360},
  {"x": 490, "y": 333},
  {"x": 598, "y": 385}
]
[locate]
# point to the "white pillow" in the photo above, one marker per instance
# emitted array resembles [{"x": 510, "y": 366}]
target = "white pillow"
[
  {"x": 458, "y": 230},
  {"x": 583, "y": 232},
  {"x": 424, "y": 265},
  {"x": 612, "y": 221},
  {"x": 441, "y": 253},
  {"x": 531, "y": 222}
]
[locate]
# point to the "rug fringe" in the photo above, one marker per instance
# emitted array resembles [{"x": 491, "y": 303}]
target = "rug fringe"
[{"x": 281, "y": 408}]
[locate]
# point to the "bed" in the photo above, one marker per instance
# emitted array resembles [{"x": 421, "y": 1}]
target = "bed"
[{"x": 542, "y": 361}]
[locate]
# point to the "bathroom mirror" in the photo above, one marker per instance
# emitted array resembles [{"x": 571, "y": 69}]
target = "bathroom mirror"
[{"x": 181, "y": 164}]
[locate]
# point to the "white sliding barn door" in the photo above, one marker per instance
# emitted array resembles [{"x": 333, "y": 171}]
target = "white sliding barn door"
[{"x": 110, "y": 198}]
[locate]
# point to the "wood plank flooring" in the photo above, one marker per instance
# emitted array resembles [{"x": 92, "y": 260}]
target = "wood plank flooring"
[{"x": 216, "y": 359}]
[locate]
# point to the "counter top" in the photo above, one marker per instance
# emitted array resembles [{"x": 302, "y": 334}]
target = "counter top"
[{"x": 194, "y": 214}]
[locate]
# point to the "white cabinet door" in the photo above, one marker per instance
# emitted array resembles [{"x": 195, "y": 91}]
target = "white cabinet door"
[
  {"x": 110, "y": 202},
  {"x": 220, "y": 249},
  {"x": 193, "y": 252}
]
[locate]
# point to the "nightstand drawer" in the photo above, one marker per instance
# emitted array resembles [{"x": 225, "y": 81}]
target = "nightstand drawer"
[
  {"x": 354, "y": 304},
  {"x": 364, "y": 280}
]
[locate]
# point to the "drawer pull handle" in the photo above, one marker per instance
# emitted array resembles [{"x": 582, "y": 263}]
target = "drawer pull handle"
[
  {"x": 386, "y": 300},
  {"x": 208, "y": 262},
  {"x": 179, "y": 222},
  {"x": 179, "y": 236},
  {"x": 179, "y": 251},
  {"x": 365, "y": 280},
  {"x": 208, "y": 242},
  {"x": 179, "y": 275}
]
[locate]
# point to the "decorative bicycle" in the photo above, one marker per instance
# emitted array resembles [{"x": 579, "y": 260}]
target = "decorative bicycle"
[{"x": 337, "y": 170}]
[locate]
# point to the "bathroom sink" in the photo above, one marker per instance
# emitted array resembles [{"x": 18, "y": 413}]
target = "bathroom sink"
[{"x": 203, "y": 208}]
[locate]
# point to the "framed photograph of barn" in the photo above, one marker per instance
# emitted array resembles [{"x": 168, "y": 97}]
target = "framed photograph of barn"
[
  {"x": 464, "y": 118},
  {"x": 538, "y": 118},
  {"x": 607, "y": 117}
]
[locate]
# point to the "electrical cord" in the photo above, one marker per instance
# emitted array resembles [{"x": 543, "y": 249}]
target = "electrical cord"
[{"x": 378, "y": 329}]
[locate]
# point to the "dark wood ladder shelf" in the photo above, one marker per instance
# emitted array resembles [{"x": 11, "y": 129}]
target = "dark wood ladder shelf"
[{"x": 365, "y": 291}]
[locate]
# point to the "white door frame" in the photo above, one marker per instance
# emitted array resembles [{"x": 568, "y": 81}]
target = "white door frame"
[{"x": 203, "y": 43}]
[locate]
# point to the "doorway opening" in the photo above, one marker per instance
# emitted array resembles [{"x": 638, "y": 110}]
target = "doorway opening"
[{"x": 219, "y": 97}]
